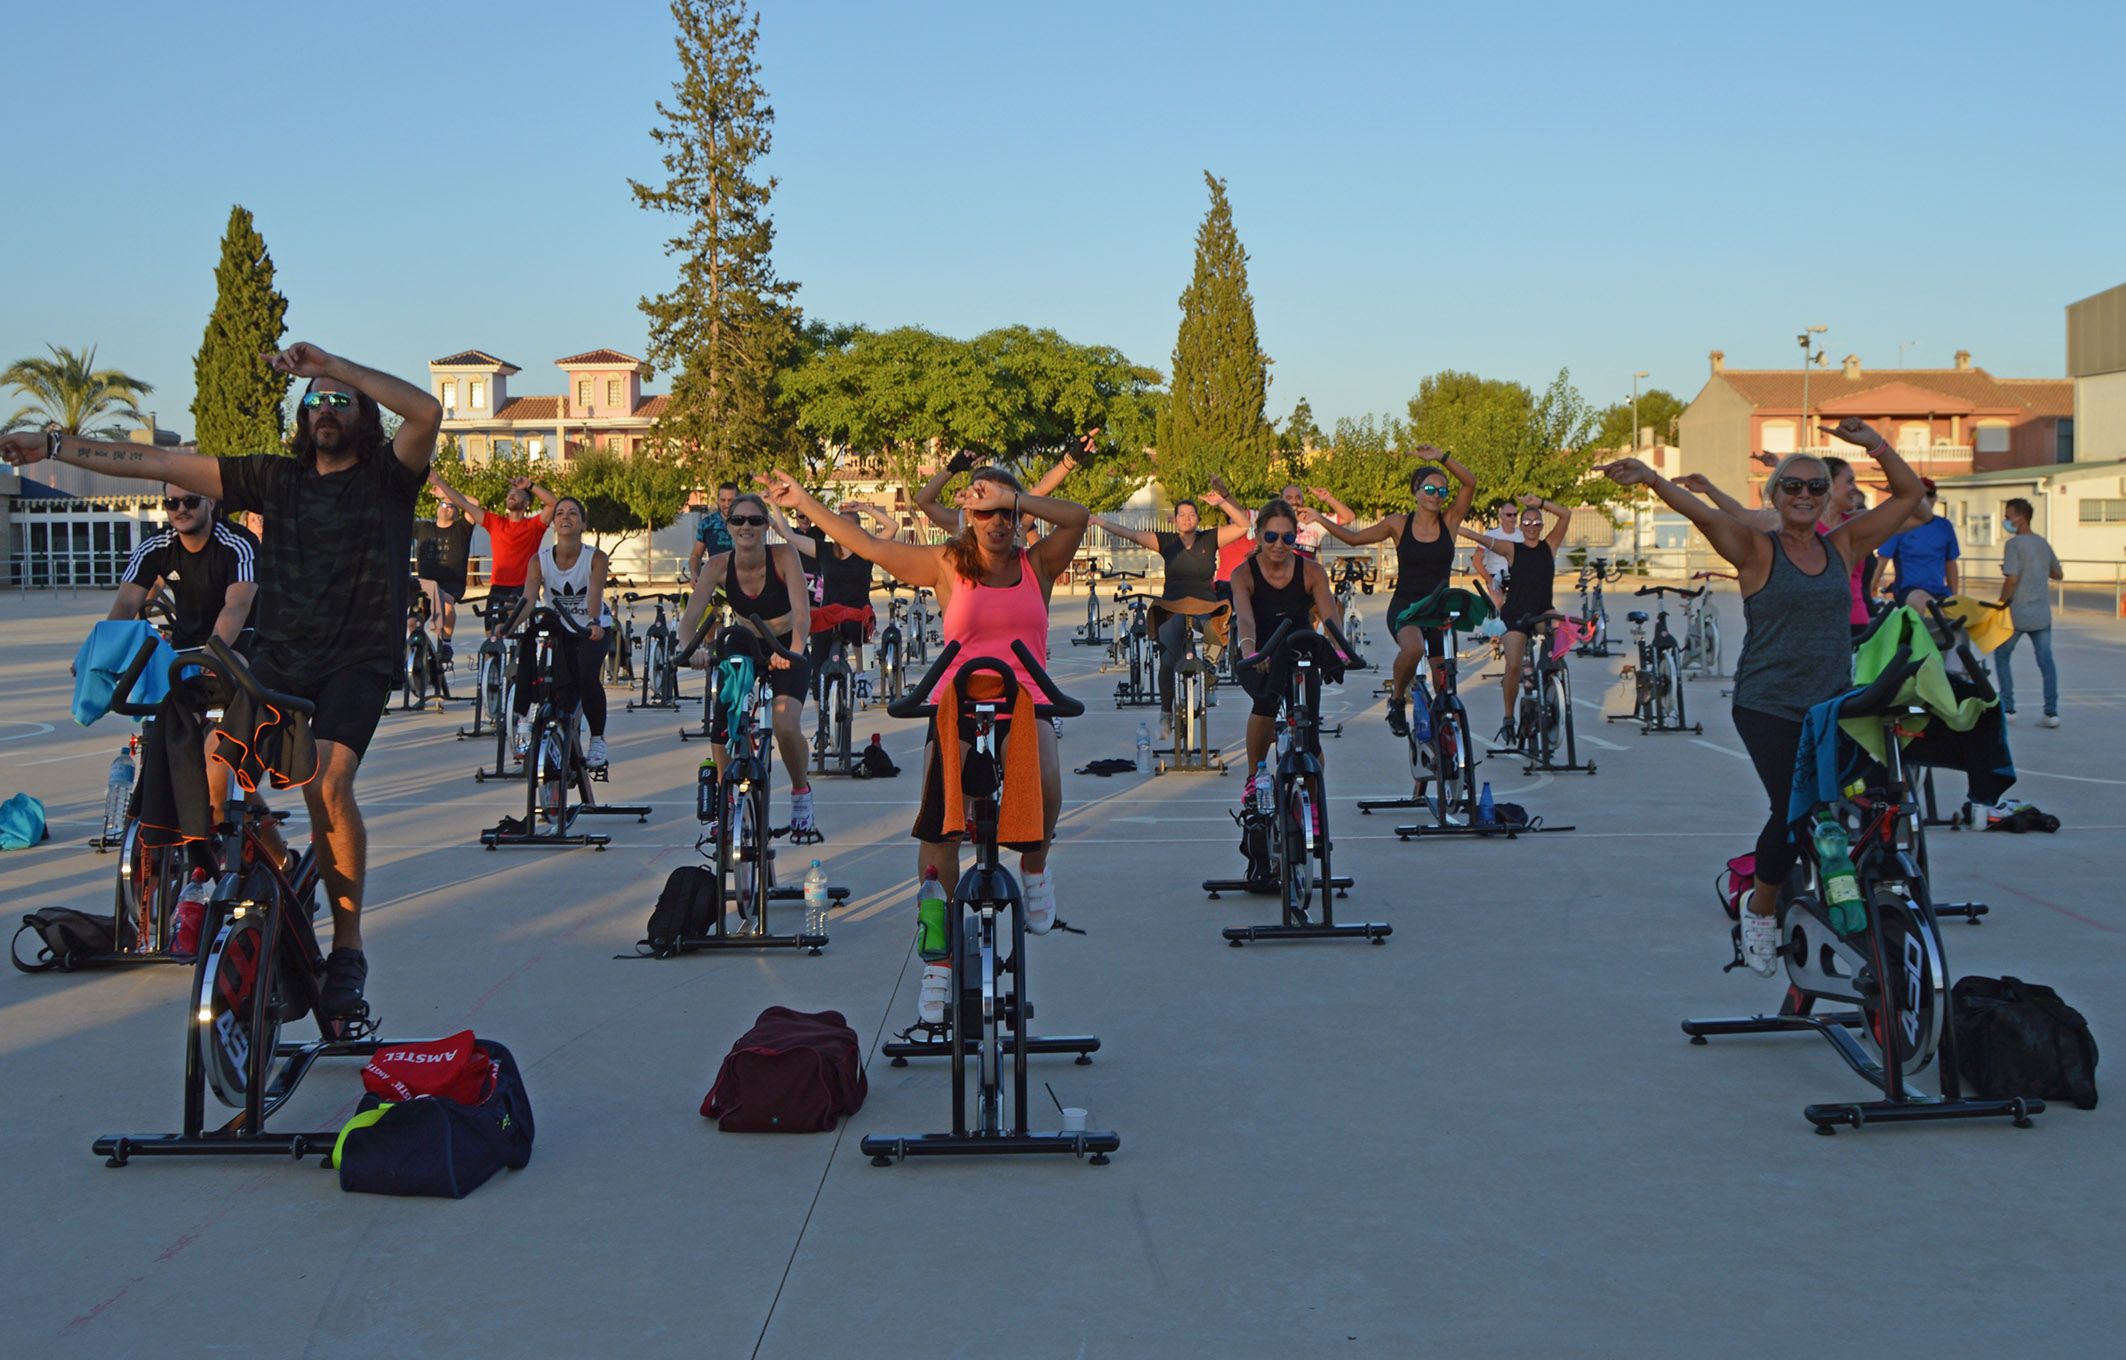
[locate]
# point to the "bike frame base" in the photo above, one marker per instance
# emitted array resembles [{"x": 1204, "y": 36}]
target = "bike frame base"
[
  {"x": 1654, "y": 729},
  {"x": 1168, "y": 761},
  {"x": 1088, "y": 1146},
  {"x": 901, "y": 1050},
  {"x": 1836, "y": 1028},
  {"x": 232, "y": 1139},
  {"x": 1374, "y": 932}
]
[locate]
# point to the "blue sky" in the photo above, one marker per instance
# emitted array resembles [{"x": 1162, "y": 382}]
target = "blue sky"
[{"x": 1509, "y": 189}]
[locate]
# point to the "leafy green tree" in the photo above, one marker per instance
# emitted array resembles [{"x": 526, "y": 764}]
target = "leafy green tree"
[
  {"x": 1365, "y": 465},
  {"x": 236, "y": 406},
  {"x": 1300, "y": 434},
  {"x": 1658, "y": 411},
  {"x": 69, "y": 391},
  {"x": 1212, "y": 423},
  {"x": 1514, "y": 440},
  {"x": 729, "y": 328},
  {"x": 624, "y": 496}
]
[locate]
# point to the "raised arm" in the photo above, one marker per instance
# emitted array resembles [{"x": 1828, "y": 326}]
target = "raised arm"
[
  {"x": 547, "y": 499},
  {"x": 1861, "y": 535},
  {"x": 1052, "y": 555},
  {"x": 1464, "y": 493},
  {"x": 916, "y": 565},
  {"x": 1143, "y": 538},
  {"x": 1502, "y": 546},
  {"x": 864, "y": 510},
  {"x": 1219, "y": 496},
  {"x": 926, "y": 498},
  {"x": 474, "y": 514},
  {"x": 1735, "y": 541},
  {"x": 1381, "y": 530},
  {"x": 420, "y": 414},
  {"x": 1555, "y": 537},
  {"x": 1697, "y": 483},
  {"x": 1064, "y": 466},
  {"x": 805, "y": 544},
  {"x": 193, "y": 471},
  {"x": 1343, "y": 514}
]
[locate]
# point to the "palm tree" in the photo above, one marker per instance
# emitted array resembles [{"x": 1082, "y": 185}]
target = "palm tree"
[{"x": 70, "y": 391}]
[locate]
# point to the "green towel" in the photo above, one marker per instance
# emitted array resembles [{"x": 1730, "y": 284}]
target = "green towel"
[
  {"x": 1447, "y": 607},
  {"x": 1928, "y": 688}
]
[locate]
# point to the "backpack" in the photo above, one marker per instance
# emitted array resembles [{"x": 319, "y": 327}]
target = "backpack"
[
  {"x": 791, "y": 1073},
  {"x": 2015, "y": 1038},
  {"x": 1255, "y": 845},
  {"x": 1734, "y": 883},
  {"x": 685, "y": 910},
  {"x": 67, "y": 939},
  {"x": 1513, "y": 816},
  {"x": 874, "y": 763},
  {"x": 432, "y": 1145}
]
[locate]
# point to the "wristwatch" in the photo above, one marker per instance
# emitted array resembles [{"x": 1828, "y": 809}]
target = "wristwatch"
[{"x": 52, "y": 440}]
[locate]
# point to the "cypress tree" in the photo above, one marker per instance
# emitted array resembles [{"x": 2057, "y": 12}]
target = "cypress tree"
[
  {"x": 1213, "y": 421},
  {"x": 236, "y": 402},
  {"x": 729, "y": 327}
]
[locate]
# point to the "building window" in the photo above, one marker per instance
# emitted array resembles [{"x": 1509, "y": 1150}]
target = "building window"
[
  {"x": 2065, "y": 446},
  {"x": 476, "y": 395},
  {"x": 450, "y": 398},
  {"x": 1978, "y": 530},
  {"x": 1913, "y": 436},
  {"x": 1778, "y": 436},
  {"x": 612, "y": 393},
  {"x": 504, "y": 448},
  {"x": 2095, "y": 511},
  {"x": 1991, "y": 436},
  {"x": 535, "y": 449},
  {"x": 583, "y": 393}
]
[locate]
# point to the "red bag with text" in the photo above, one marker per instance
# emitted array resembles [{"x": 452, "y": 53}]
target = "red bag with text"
[{"x": 456, "y": 1068}]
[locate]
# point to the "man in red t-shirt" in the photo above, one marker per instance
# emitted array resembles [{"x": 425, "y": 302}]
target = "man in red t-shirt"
[{"x": 512, "y": 538}]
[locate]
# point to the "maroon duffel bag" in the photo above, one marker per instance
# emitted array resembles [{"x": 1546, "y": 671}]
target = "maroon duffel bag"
[{"x": 791, "y": 1073}]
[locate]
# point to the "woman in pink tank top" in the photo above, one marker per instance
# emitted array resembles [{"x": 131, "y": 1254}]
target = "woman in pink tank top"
[{"x": 993, "y": 593}]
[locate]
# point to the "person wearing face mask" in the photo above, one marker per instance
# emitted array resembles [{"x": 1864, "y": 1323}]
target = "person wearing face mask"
[
  {"x": 1274, "y": 585},
  {"x": 1797, "y": 648},
  {"x": 2028, "y": 569},
  {"x": 571, "y": 577},
  {"x": 1191, "y": 555},
  {"x": 1531, "y": 584}
]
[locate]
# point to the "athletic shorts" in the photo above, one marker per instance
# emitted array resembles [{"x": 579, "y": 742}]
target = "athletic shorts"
[
  {"x": 451, "y": 584},
  {"x": 349, "y": 702},
  {"x": 1265, "y": 688}
]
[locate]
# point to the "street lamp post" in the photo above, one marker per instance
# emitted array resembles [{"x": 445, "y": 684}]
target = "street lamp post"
[
  {"x": 1637, "y": 556},
  {"x": 1809, "y": 356}
]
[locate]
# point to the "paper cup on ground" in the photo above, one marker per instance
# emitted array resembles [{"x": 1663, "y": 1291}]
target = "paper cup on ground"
[{"x": 1073, "y": 1119}]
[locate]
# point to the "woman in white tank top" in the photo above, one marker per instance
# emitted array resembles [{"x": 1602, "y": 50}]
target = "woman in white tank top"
[{"x": 570, "y": 576}]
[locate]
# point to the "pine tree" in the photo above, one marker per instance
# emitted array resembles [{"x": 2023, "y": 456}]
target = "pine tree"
[
  {"x": 1213, "y": 420},
  {"x": 729, "y": 327},
  {"x": 237, "y": 400}
]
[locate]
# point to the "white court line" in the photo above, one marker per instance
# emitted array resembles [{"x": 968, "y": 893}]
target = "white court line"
[
  {"x": 42, "y": 728},
  {"x": 54, "y": 760},
  {"x": 2022, "y": 770},
  {"x": 1593, "y": 740},
  {"x": 1716, "y": 746}
]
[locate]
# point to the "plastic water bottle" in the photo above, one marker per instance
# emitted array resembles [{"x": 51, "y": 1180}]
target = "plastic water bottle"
[
  {"x": 190, "y": 914},
  {"x": 1486, "y": 810},
  {"x": 1421, "y": 719},
  {"x": 1841, "y": 883},
  {"x": 930, "y": 926},
  {"x": 705, "y": 791},
  {"x": 119, "y": 791},
  {"x": 816, "y": 900},
  {"x": 1265, "y": 796},
  {"x": 1144, "y": 748}
]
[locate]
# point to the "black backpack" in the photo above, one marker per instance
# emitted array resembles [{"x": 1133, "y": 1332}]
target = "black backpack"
[
  {"x": 1255, "y": 845},
  {"x": 435, "y": 1146},
  {"x": 874, "y": 763},
  {"x": 67, "y": 939},
  {"x": 685, "y": 910},
  {"x": 2015, "y": 1038}
]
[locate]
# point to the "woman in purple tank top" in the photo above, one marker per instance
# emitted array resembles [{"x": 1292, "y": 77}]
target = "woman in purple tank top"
[
  {"x": 991, "y": 593},
  {"x": 1796, "y": 648}
]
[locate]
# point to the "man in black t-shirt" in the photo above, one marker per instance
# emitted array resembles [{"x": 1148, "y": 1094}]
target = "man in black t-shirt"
[
  {"x": 210, "y": 567},
  {"x": 441, "y": 549},
  {"x": 332, "y": 577}
]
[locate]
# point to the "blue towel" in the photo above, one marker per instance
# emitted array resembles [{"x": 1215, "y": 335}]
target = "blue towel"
[
  {"x": 21, "y": 823},
  {"x": 1817, "y": 761},
  {"x": 103, "y": 657}
]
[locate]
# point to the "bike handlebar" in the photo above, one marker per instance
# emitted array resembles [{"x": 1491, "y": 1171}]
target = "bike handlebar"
[
  {"x": 214, "y": 656},
  {"x": 674, "y": 596},
  {"x": 1714, "y": 576},
  {"x": 1671, "y": 590},
  {"x": 756, "y": 629},
  {"x": 1290, "y": 633},
  {"x": 915, "y": 703},
  {"x": 1106, "y": 575}
]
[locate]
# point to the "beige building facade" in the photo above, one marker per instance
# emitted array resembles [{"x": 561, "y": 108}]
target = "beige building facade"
[{"x": 2096, "y": 360}]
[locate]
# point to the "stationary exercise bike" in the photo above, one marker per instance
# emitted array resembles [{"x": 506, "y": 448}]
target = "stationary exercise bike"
[
  {"x": 1091, "y": 633},
  {"x": 1657, "y": 675},
  {"x": 1593, "y": 573},
  {"x": 1195, "y": 680},
  {"x": 424, "y": 676},
  {"x": 1892, "y": 972},
  {"x": 987, "y": 1008},
  {"x": 1542, "y": 725},
  {"x": 555, "y": 765},
  {"x": 1291, "y": 815},
  {"x": 258, "y": 968},
  {"x": 1137, "y": 649},
  {"x": 834, "y": 692},
  {"x": 1352, "y": 577},
  {"x": 660, "y": 670}
]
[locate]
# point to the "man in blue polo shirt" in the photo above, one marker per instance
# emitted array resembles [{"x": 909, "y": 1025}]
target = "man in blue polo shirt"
[
  {"x": 1925, "y": 554},
  {"x": 712, "y": 535}
]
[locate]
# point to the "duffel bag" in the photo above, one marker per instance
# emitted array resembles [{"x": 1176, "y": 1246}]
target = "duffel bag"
[
  {"x": 792, "y": 1072},
  {"x": 432, "y": 1145},
  {"x": 2016, "y": 1038},
  {"x": 66, "y": 940}
]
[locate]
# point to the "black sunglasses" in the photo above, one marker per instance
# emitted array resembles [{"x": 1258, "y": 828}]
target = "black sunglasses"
[
  {"x": 1272, "y": 536},
  {"x": 338, "y": 401},
  {"x": 183, "y": 502},
  {"x": 1815, "y": 486},
  {"x": 987, "y": 515},
  {"x": 745, "y": 521}
]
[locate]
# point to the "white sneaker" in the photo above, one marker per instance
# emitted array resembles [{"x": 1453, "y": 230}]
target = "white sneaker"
[
  {"x": 598, "y": 758},
  {"x": 2049, "y": 720},
  {"x": 801, "y": 810},
  {"x": 1760, "y": 942},
  {"x": 1037, "y": 893},
  {"x": 930, "y": 1000}
]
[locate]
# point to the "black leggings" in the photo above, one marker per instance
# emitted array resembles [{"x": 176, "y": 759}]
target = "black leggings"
[
  {"x": 1772, "y": 743},
  {"x": 580, "y": 663}
]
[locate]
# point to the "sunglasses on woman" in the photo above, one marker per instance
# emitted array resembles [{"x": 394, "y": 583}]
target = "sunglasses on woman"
[
  {"x": 1272, "y": 536},
  {"x": 746, "y": 521},
  {"x": 1794, "y": 486},
  {"x": 986, "y": 515},
  {"x": 183, "y": 502},
  {"x": 338, "y": 401},
  {"x": 1433, "y": 489}
]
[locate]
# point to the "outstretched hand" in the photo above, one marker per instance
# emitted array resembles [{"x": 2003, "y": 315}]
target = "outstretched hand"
[
  {"x": 1628, "y": 472},
  {"x": 1428, "y": 452},
  {"x": 1854, "y": 430},
  {"x": 1307, "y": 514},
  {"x": 987, "y": 494},
  {"x": 300, "y": 360},
  {"x": 22, "y": 448},
  {"x": 780, "y": 488},
  {"x": 1697, "y": 483}
]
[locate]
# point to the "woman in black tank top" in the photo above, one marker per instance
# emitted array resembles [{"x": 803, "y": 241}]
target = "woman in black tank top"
[
  {"x": 777, "y": 596},
  {"x": 1424, "y": 556},
  {"x": 1191, "y": 554},
  {"x": 1272, "y": 585},
  {"x": 1530, "y": 588}
]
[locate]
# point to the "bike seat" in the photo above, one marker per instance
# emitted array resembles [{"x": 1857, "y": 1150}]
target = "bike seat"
[{"x": 1637, "y": 616}]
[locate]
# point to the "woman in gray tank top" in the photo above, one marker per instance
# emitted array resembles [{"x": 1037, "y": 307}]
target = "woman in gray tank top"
[{"x": 1797, "y": 647}]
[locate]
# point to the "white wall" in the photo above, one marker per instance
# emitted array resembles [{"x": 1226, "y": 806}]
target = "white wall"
[{"x": 2100, "y": 418}]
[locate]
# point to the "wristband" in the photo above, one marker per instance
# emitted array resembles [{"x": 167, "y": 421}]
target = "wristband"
[{"x": 52, "y": 441}]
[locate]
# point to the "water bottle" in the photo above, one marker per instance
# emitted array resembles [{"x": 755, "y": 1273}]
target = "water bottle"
[
  {"x": 552, "y": 796},
  {"x": 119, "y": 791},
  {"x": 1486, "y": 810},
  {"x": 930, "y": 926},
  {"x": 1144, "y": 748},
  {"x": 705, "y": 791},
  {"x": 1265, "y": 795},
  {"x": 1841, "y": 883},
  {"x": 1421, "y": 719},
  {"x": 191, "y": 912},
  {"x": 816, "y": 900}
]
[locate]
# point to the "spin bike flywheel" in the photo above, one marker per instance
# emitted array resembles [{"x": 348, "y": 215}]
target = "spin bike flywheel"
[{"x": 227, "y": 1025}]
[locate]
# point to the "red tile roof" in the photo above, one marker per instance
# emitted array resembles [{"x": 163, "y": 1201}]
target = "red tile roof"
[
  {"x": 474, "y": 358},
  {"x": 652, "y": 408},
  {"x": 531, "y": 408},
  {"x": 598, "y": 358},
  {"x": 1962, "y": 389}
]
